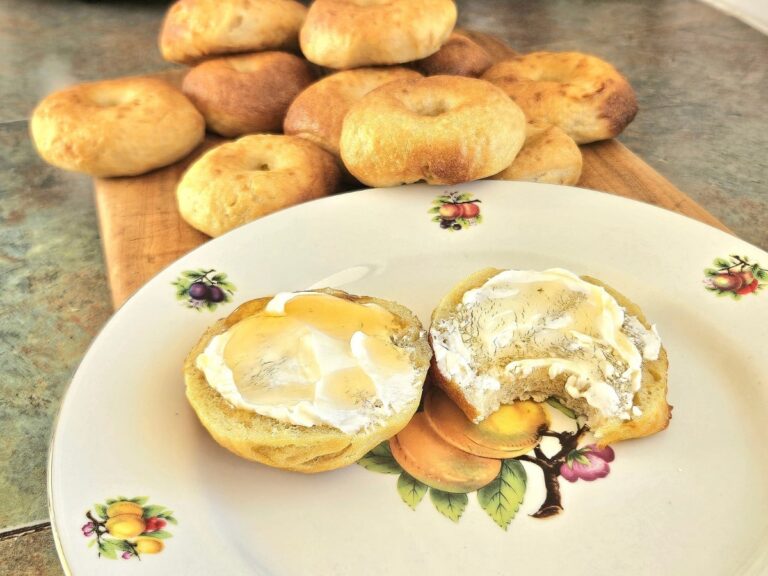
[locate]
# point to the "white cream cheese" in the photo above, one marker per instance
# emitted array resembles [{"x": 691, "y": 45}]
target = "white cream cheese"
[
  {"x": 520, "y": 320},
  {"x": 311, "y": 359}
]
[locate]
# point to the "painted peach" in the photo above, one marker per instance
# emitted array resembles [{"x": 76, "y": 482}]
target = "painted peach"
[
  {"x": 125, "y": 526},
  {"x": 512, "y": 430},
  {"x": 124, "y": 507},
  {"x": 423, "y": 454},
  {"x": 146, "y": 545}
]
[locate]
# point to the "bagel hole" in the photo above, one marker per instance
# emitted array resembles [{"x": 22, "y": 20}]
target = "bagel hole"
[{"x": 429, "y": 106}]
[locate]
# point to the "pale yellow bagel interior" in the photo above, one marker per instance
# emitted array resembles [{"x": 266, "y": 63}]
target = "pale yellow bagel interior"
[
  {"x": 195, "y": 29},
  {"x": 289, "y": 446},
  {"x": 582, "y": 94},
  {"x": 549, "y": 155},
  {"x": 256, "y": 175},
  {"x": 440, "y": 129},
  {"x": 538, "y": 386},
  {"x": 119, "y": 127},
  {"x": 353, "y": 33},
  {"x": 247, "y": 93},
  {"x": 318, "y": 112}
]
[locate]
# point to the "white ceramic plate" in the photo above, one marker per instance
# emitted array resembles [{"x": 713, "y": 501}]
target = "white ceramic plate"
[{"x": 690, "y": 500}]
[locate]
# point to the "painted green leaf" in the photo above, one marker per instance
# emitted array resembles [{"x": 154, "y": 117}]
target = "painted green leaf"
[
  {"x": 153, "y": 510},
  {"x": 140, "y": 500},
  {"x": 501, "y": 498},
  {"x": 171, "y": 519},
  {"x": 721, "y": 263},
  {"x": 451, "y": 506},
  {"x": 101, "y": 510},
  {"x": 110, "y": 501},
  {"x": 159, "y": 534},
  {"x": 380, "y": 459},
  {"x": 122, "y": 546},
  {"x": 108, "y": 549},
  {"x": 91, "y": 542},
  {"x": 411, "y": 490},
  {"x": 557, "y": 405}
]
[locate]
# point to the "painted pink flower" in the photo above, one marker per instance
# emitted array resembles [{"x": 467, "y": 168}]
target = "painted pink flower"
[
  {"x": 588, "y": 463},
  {"x": 126, "y": 555},
  {"x": 88, "y": 528}
]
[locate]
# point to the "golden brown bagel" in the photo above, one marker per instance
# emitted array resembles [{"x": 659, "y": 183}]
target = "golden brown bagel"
[
  {"x": 441, "y": 129},
  {"x": 318, "y": 112},
  {"x": 651, "y": 399},
  {"x": 582, "y": 94},
  {"x": 292, "y": 447},
  {"x": 247, "y": 93},
  {"x": 256, "y": 175},
  {"x": 496, "y": 48},
  {"x": 195, "y": 29},
  {"x": 352, "y": 33},
  {"x": 549, "y": 155},
  {"x": 459, "y": 56},
  {"x": 119, "y": 127}
]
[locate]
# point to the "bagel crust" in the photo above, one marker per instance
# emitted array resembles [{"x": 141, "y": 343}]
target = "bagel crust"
[
  {"x": 549, "y": 155},
  {"x": 289, "y": 446},
  {"x": 247, "y": 93},
  {"x": 441, "y": 129},
  {"x": 121, "y": 127},
  {"x": 317, "y": 113},
  {"x": 256, "y": 175},
  {"x": 351, "y": 33},
  {"x": 581, "y": 94},
  {"x": 195, "y": 29},
  {"x": 459, "y": 56}
]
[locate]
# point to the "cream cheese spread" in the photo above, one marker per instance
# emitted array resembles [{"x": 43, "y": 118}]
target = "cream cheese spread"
[
  {"x": 311, "y": 358},
  {"x": 521, "y": 320}
]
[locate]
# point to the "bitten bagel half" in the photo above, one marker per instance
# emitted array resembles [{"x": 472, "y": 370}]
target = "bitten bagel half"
[
  {"x": 195, "y": 29},
  {"x": 317, "y": 114},
  {"x": 549, "y": 155},
  {"x": 248, "y": 93},
  {"x": 440, "y": 129},
  {"x": 256, "y": 175},
  {"x": 352, "y": 33},
  {"x": 119, "y": 127},
  {"x": 582, "y": 94},
  {"x": 651, "y": 399},
  {"x": 289, "y": 446}
]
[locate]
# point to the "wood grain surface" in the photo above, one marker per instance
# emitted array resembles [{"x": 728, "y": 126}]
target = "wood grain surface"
[{"x": 142, "y": 231}]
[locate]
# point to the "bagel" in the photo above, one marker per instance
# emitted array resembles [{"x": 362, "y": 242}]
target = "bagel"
[
  {"x": 582, "y": 94},
  {"x": 494, "y": 46},
  {"x": 315, "y": 447},
  {"x": 195, "y": 29},
  {"x": 441, "y": 129},
  {"x": 549, "y": 155},
  {"x": 256, "y": 175},
  {"x": 353, "y": 33},
  {"x": 118, "y": 127},
  {"x": 459, "y": 56},
  {"x": 247, "y": 93},
  {"x": 318, "y": 112},
  {"x": 586, "y": 344}
]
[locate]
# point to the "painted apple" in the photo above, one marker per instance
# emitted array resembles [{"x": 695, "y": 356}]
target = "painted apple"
[
  {"x": 726, "y": 281},
  {"x": 450, "y": 211},
  {"x": 470, "y": 210}
]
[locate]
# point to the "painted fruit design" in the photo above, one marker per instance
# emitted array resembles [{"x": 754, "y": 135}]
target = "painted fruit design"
[
  {"x": 443, "y": 453},
  {"x": 127, "y": 527},
  {"x": 735, "y": 276},
  {"x": 203, "y": 289},
  {"x": 456, "y": 211}
]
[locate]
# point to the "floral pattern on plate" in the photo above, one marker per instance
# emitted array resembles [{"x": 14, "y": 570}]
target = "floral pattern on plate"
[
  {"x": 501, "y": 496},
  {"x": 456, "y": 211},
  {"x": 127, "y": 527},
  {"x": 735, "y": 276},
  {"x": 203, "y": 289}
]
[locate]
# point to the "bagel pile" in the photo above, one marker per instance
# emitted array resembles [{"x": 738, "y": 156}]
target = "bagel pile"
[{"x": 381, "y": 94}]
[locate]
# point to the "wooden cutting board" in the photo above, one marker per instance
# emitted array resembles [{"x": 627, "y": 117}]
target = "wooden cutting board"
[{"x": 142, "y": 231}]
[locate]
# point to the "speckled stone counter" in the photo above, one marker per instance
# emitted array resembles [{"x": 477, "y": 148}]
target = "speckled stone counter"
[{"x": 701, "y": 79}]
